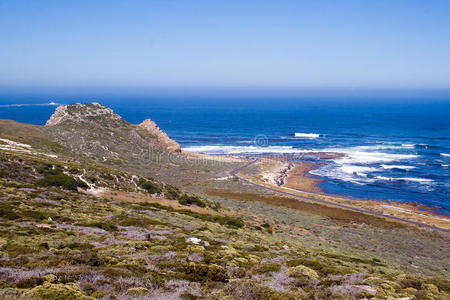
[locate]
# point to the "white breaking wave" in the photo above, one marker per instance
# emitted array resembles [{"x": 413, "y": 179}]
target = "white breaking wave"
[
  {"x": 445, "y": 154},
  {"x": 337, "y": 173},
  {"x": 307, "y": 135},
  {"x": 360, "y": 162},
  {"x": 385, "y": 147},
  {"x": 355, "y": 156},
  {"x": 389, "y": 167},
  {"x": 445, "y": 166},
  {"x": 243, "y": 149},
  {"x": 27, "y": 104},
  {"x": 361, "y": 178},
  {"x": 419, "y": 180},
  {"x": 408, "y": 145},
  {"x": 412, "y": 179},
  {"x": 357, "y": 169}
]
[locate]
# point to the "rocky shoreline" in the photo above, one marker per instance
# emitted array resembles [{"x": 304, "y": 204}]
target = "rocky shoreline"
[{"x": 283, "y": 174}]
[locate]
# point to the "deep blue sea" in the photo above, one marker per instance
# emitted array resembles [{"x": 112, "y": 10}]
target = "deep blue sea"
[{"x": 395, "y": 149}]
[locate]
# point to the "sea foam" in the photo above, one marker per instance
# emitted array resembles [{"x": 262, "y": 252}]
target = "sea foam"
[
  {"x": 419, "y": 180},
  {"x": 389, "y": 167},
  {"x": 355, "y": 156},
  {"x": 27, "y": 104},
  {"x": 412, "y": 179},
  {"x": 217, "y": 149},
  {"x": 360, "y": 170},
  {"x": 307, "y": 135}
]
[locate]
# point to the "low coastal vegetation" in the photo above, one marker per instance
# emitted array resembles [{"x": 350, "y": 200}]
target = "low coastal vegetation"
[
  {"x": 58, "y": 242},
  {"x": 73, "y": 227}
]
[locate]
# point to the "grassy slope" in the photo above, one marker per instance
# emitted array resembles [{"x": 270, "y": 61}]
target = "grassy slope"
[
  {"x": 99, "y": 247},
  {"x": 29, "y": 134}
]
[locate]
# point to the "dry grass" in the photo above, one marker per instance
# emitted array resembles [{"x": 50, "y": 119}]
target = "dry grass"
[
  {"x": 334, "y": 213},
  {"x": 142, "y": 198}
]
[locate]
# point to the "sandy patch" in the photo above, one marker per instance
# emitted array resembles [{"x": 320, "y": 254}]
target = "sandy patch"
[{"x": 298, "y": 178}]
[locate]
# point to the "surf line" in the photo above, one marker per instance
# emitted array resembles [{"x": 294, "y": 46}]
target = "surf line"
[{"x": 235, "y": 171}]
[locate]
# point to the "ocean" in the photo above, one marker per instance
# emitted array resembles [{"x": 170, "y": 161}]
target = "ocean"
[{"x": 395, "y": 150}]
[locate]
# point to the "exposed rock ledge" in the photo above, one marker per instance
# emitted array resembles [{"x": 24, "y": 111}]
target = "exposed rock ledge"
[
  {"x": 162, "y": 137},
  {"x": 281, "y": 178},
  {"x": 101, "y": 124},
  {"x": 78, "y": 112}
]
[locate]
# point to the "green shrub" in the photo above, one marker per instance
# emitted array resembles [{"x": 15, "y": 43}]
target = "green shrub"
[
  {"x": 116, "y": 272},
  {"x": 7, "y": 210},
  {"x": 92, "y": 179},
  {"x": 265, "y": 225},
  {"x": 324, "y": 268},
  {"x": 267, "y": 268},
  {"x": 15, "y": 249},
  {"x": 107, "y": 176},
  {"x": 30, "y": 282},
  {"x": 74, "y": 170},
  {"x": 302, "y": 271},
  {"x": 76, "y": 245},
  {"x": 259, "y": 248},
  {"x": 101, "y": 225},
  {"x": 172, "y": 192},
  {"x": 98, "y": 294},
  {"x": 373, "y": 261},
  {"x": 136, "y": 220},
  {"x": 56, "y": 178},
  {"x": 88, "y": 288},
  {"x": 188, "y": 296},
  {"x": 327, "y": 282},
  {"x": 251, "y": 290},
  {"x": 55, "y": 292},
  {"x": 202, "y": 272},
  {"x": 87, "y": 257},
  {"x": 44, "y": 168},
  {"x": 225, "y": 220},
  {"x": 150, "y": 187},
  {"x": 188, "y": 200},
  {"x": 81, "y": 184},
  {"x": 137, "y": 291},
  {"x": 168, "y": 265},
  {"x": 233, "y": 222}
]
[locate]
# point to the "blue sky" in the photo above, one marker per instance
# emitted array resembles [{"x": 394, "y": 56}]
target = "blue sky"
[{"x": 239, "y": 44}]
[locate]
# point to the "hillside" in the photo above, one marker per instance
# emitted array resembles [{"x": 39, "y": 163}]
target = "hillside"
[
  {"x": 85, "y": 215},
  {"x": 95, "y": 131}
]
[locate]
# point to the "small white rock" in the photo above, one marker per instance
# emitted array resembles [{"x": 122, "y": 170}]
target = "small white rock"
[{"x": 193, "y": 240}]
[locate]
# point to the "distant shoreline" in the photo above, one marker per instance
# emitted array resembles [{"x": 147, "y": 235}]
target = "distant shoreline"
[
  {"x": 297, "y": 178},
  {"x": 404, "y": 212}
]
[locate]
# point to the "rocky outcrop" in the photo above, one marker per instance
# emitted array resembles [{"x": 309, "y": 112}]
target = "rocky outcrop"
[
  {"x": 281, "y": 178},
  {"x": 151, "y": 127},
  {"x": 78, "y": 112},
  {"x": 97, "y": 131}
]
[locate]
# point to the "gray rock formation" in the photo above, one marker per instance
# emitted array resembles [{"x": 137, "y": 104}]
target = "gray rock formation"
[
  {"x": 162, "y": 137},
  {"x": 78, "y": 112},
  {"x": 96, "y": 131}
]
